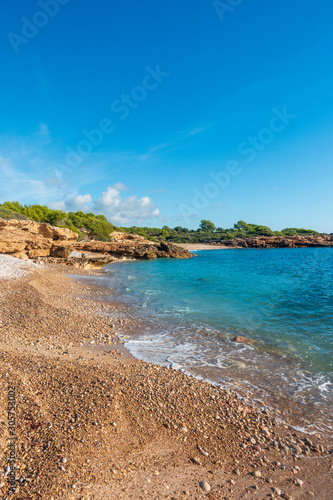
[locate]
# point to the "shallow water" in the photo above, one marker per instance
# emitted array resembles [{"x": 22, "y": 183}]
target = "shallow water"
[{"x": 280, "y": 298}]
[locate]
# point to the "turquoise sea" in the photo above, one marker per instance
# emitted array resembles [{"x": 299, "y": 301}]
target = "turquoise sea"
[{"x": 280, "y": 298}]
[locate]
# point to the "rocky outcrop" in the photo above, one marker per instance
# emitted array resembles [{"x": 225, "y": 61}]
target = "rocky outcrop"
[
  {"x": 322, "y": 240},
  {"x": 118, "y": 236},
  {"x": 134, "y": 249},
  {"x": 37, "y": 229},
  {"x": 33, "y": 240}
]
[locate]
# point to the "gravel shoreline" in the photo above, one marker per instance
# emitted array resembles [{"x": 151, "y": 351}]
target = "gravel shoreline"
[
  {"x": 94, "y": 423},
  {"x": 11, "y": 267}
]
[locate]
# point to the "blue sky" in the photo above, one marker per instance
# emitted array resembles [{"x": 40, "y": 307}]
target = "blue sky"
[{"x": 169, "y": 112}]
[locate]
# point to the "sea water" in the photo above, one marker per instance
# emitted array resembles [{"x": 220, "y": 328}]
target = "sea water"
[{"x": 281, "y": 299}]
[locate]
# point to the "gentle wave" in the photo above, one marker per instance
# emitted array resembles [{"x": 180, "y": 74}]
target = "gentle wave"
[{"x": 282, "y": 299}]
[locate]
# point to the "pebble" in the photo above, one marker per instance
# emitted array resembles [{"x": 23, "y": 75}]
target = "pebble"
[
  {"x": 203, "y": 452},
  {"x": 205, "y": 486},
  {"x": 11, "y": 267},
  {"x": 286, "y": 496}
]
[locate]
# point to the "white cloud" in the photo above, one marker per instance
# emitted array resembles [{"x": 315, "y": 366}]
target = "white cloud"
[
  {"x": 120, "y": 186},
  {"x": 57, "y": 205},
  {"x": 112, "y": 203},
  {"x": 121, "y": 210},
  {"x": 81, "y": 199},
  {"x": 72, "y": 202}
]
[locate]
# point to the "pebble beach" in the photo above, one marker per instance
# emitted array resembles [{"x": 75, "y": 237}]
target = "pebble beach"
[
  {"x": 92, "y": 422},
  {"x": 10, "y": 267}
]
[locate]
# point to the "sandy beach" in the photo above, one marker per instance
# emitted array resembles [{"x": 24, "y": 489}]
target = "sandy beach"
[
  {"x": 200, "y": 246},
  {"x": 82, "y": 419}
]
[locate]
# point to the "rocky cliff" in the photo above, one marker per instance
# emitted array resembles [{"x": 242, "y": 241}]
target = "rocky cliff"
[
  {"x": 321, "y": 240},
  {"x": 33, "y": 240}
]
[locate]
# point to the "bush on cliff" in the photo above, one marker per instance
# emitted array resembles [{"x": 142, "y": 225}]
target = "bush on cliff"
[
  {"x": 96, "y": 227},
  {"x": 7, "y": 214}
]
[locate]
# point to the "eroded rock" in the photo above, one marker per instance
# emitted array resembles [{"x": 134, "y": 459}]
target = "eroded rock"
[{"x": 32, "y": 240}]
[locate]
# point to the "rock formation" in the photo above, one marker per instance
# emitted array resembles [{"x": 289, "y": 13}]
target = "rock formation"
[
  {"x": 34, "y": 240},
  {"x": 118, "y": 236},
  {"x": 321, "y": 240}
]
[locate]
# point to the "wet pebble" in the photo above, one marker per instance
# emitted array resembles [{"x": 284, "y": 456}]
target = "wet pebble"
[{"x": 205, "y": 486}]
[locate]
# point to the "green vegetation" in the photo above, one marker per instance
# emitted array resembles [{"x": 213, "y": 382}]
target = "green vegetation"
[
  {"x": 94, "y": 226},
  {"x": 98, "y": 227},
  {"x": 207, "y": 226},
  {"x": 207, "y": 232},
  {"x": 6, "y": 213}
]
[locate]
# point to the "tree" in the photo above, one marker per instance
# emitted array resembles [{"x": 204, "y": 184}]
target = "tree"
[
  {"x": 207, "y": 225},
  {"x": 165, "y": 233},
  {"x": 243, "y": 226}
]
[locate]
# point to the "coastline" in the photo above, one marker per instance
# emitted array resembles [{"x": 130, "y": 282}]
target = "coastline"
[
  {"x": 149, "y": 432},
  {"x": 200, "y": 246}
]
